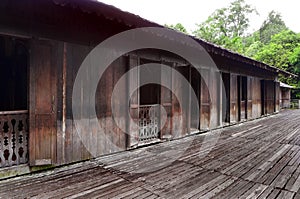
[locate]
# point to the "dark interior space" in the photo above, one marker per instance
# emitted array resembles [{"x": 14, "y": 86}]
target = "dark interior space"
[
  {"x": 149, "y": 93},
  {"x": 262, "y": 91},
  {"x": 196, "y": 85},
  {"x": 242, "y": 97},
  {"x": 13, "y": 74},
  {"x": 244, "y": 88},
  {"x": 226, "y": 83}
]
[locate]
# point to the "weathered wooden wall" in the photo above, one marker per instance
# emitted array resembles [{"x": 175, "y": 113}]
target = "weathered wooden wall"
[
  {"x": 277, "y": 96},
  {"x": 53, "y": 69},
  {"x": 205, "y": 101},
  {"x": 269, "y": 96},
  {"x": 54, "y": 63},
  {"x": 234, "y": 107},
  {"x": 256, "y": 98},
  {"x": 285, "y": 97},
  {"x": 43, "y": 101}
]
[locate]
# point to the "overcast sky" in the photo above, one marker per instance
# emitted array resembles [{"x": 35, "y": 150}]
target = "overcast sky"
[{"x": 190, "y": 12}]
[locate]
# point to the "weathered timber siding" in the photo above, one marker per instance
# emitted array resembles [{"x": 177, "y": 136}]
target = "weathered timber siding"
[
  {"x": 205, "y": 100},
  {"x": 44, "y": 62},
  {"x": 56, "y": 70},
  {"x": 269, "y": 100},
  {"x": 277, "y": 96},
  {"x": 256, "y": 98},
  {"x": 234, "y": 110}
]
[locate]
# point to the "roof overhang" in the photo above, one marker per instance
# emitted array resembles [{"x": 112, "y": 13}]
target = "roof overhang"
[
  {"x": 283, "y": 85},
  {"x": 126, "y": 19}
]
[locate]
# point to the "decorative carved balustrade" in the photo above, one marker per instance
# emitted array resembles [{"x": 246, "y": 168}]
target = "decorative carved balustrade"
[
  {"x": 148, "y": 123},
  {"x": 13, "y": 138}
]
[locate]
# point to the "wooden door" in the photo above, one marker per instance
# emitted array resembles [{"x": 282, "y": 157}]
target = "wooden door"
[
  {"x": 133, "y": 82},
  {"x": 263, "y": 102},
  {"x": 196, "y": 86},
  {"x": 181, "y": 106},
  {"x": 242, "y": 97},
  {"x": 277, "y": 96},
  {"x": 42, "y": 108},
  {"x": 233, "y": 98},
  {"x": 269, "y": 96},
  {"x": 249, "y": 97},
  {"x": 226, "y": 96},
  {"x": 166, "y": 101},
  {"x": 205, "y": 100}
]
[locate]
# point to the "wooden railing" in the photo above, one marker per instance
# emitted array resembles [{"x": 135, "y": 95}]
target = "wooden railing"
[
  {"x": 295, "y": 103},
  {"x": 148, "y": 123},
  {"x": 13, "y": 138}
]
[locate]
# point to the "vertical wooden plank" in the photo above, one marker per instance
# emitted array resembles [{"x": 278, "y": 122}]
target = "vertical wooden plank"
[
  {"x": 205, "y": 100},
  {"x": 256, "y": 98},
  {"x": 166, "y": 102},
  {"x": 86, "y": 138},
  {"x": 120, "y": 70},
  {"x": 74, "y": 148},
  {"x": 269, "y": 88},
  {"x": 109, "y": 133},
  {"x": 249, "y": 97},
  {"x": 263, "y": 96},
  {"x": 116, "y": 138},
  {"x": 185, "y": 100},
  {"x": 242, "y": 97},
  {"x": 214, "y": 89},
  {"x": 233, "y": 98},
  {"x": 31, "y": 119},
  {"x": 176, "y": 109},
  {"x": 195, "y": 83},
  {"x": 134, "y": 101},
  {"x": 43, "y": 100},
  {"x": 68, "y": 141},
  {"x": 180, "y": 104},
  {"x": 277, "y": 96},
  {"x": 226, "y": 96},
  {"x": 61, "y": 65}
]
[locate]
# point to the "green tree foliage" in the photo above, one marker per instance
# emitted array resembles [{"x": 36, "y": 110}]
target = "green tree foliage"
[
  {"x": 273, "y": 43},
  {"x": 278, "y": 51},
  {"x": 178, "y": 27},
  {"x": 283, "y": 51},
  {"x": 295, "y": 62},
  {"x": 226, "y": 24},
  {"x": 271, "y": 26}
]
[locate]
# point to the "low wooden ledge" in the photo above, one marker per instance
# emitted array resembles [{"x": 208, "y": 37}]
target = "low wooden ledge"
[{"x": 13, "y": 112}]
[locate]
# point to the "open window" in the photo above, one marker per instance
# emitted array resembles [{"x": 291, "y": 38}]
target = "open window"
[
  {"x": 13, "y": 74},
  {"x": 149, "y": 100},
  {"x": 13, "y": 101},
  {"x": 150, "y": 93}
]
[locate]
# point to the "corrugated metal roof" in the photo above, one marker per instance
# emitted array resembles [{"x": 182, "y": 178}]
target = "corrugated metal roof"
[
  {"x": 135, "y": 21},
  {"x": 285, "y": 85},
  {"x": 131, "y": 21}
]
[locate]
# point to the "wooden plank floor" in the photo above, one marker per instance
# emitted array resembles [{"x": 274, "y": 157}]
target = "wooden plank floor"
[{"x": 257, "y": 159}]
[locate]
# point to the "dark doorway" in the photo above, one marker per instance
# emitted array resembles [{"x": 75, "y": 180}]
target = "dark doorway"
[
  {"x": 14, "y": 134},
  {"x": 242, "y": 88},
  {"x": 13, "y": 74},
  {"x": 226, "y": 95},
  {"x": 263, "y": 103},
  {"x": 150, "y": 93},
  {"x": 196, "y": 85}
]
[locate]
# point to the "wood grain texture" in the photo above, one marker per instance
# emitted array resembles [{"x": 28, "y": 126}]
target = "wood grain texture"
[{"x": 259, "y": 159}]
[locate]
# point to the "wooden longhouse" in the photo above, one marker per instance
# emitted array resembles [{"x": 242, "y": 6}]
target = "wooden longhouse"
[{"x": 42, "y": 45}]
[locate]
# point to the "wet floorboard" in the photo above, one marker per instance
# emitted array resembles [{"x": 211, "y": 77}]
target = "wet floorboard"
[{"x": 256, "y": 159}]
